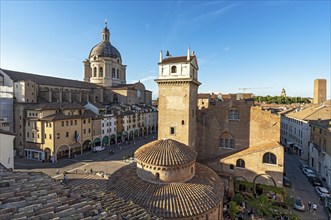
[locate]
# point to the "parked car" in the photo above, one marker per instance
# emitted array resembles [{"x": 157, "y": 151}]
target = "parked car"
[
  {"x": 308, "y": 171},
  {"x": 301, "y": 166},
  {"x": 315, "y": 181},
  {"x": 287, "y": 181},
  {"x": 322, "y": 192},
  {"x": 98, "y": 148},
  {"x": 298, "y": 204}
]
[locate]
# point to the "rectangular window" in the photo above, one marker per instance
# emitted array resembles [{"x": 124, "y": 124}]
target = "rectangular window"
[
  {"x": 84, "y": 131},
  {"x": 84, "y": 121},
  {"x": 231, "y": 167},
  {"x": 27, "y": 134},
  {"x": 58, "y": 135},
  {"x": 67, "y": 123},
  {"x": 103, "y": 131},
  {"x": 50, "y": 136},
  {"x": 183, "y": 122},
  {"x": 89, "y": 130},
  {"x": 45, "y": 136},
  {"x": 172, "y": 130},
  {"x": 75, "y": 122},
  {"x": 32, "y": 135},
  {"x": 62, "y": 123},
  {"x": 89, "y": 120},
  {"x": 71, "y": 122},
  {"x": 67, "y": 134}
]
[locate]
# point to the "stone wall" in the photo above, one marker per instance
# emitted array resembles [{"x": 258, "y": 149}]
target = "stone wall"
[
  {"x": 214, "y": 121},
  {"x": 264, "y": 127}
]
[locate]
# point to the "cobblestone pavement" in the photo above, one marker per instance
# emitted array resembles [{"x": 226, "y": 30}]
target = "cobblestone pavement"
[{"x": 79, "y": 169}]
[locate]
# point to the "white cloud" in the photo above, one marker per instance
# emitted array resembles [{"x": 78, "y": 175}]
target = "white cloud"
[{"x": 215, "y": 13}]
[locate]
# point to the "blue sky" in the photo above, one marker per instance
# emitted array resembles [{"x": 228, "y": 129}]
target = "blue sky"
[{"x": 247, "y": 44}]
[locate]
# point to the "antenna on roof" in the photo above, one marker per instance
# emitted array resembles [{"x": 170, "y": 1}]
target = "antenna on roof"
[{"x": 105, "y": 22}]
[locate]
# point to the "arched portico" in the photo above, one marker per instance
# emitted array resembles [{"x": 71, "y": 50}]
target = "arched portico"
[
  {"x": 97, "y": 142},
  {"x": 264, "y": 179},
  {"x": 48, "y": 153},
  {"x": 131, "y": 135},
  {"x": 105, "y": 141},
  {"x": 87, "y": 145},
  {"x": 125, "y": 135},
  {"x": 62, "y": 151},
  {"x": 113, "y": 139},
  {"x": 119, "y": 137}
]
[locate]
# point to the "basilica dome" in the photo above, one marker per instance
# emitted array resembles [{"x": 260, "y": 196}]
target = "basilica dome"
[{"x": 104, "y": 48}]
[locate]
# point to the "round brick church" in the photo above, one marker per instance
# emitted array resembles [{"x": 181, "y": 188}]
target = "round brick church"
[{"x": 168, "y": 183}]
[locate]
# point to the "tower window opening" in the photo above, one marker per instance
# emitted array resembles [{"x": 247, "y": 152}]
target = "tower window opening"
[
  {"x": 173, "y": 69},
  {"x": 172, "y": 130},
  {"x": 183, "y": 122}
]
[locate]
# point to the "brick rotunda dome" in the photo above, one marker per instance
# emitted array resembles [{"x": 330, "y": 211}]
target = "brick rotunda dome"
[{"x": 168, "y": 183}]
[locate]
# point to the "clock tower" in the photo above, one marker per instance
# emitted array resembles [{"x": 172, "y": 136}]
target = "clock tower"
[{"x": 178, "y": 88}]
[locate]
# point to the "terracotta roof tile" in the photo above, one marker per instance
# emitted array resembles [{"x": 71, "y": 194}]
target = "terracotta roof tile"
[
  {"x": 165, "y": 152},
  {"x": 173, "y": 200},
  {"x": 180, "y": 59},
  {"x": 48, "y": 80}
]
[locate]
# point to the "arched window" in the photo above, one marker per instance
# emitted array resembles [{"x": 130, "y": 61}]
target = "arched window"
[
  {"x": 269, "y": 158},
  {"x": 100, "y": 72},
  {"x": 95, "y": 72},
  {"x": 173, "y": 69},
  {"x": 157, "y": 176},
  {"x": 240, "y": 163},
  {"x": 118, "y": 73},
  {"x": 234, "y": 114},
  {"x": 115, "y": 98},
  {"x": 113, "y": 72},
  {"x": 192, "y": 170},
  {"x": 227, "y": 140}
]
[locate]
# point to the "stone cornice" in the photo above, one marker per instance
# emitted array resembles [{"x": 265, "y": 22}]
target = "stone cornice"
[{"x": 178, "y": 81}]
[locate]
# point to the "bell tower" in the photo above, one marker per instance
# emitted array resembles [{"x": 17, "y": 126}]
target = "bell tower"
[{"x": 178, "y": 88}]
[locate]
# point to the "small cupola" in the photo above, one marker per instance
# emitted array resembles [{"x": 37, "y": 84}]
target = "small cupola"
[{"x": 105, "y": 34}]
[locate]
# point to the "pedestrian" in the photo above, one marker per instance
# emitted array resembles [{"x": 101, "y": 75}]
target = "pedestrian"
[
  {"x": 309, "y": 206},
  {"x": 57, "y": 171},
  {"x": 85, "y": 170},
  {"x": 314, "y": 207},
  {"x": 65, "y": 178},
  {"x": 91, "y": 170}
]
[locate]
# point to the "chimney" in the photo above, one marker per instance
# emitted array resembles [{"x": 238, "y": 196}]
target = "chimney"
[{"x": 161, "y": 57}]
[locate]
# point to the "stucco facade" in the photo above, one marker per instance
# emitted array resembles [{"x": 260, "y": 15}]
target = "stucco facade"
[
  {"x": 259, "y": 164},
  {"x": 7, "y": 149}
]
